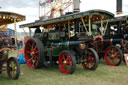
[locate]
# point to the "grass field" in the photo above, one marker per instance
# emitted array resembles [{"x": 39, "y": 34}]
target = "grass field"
[{"x": 104, "y": 75}]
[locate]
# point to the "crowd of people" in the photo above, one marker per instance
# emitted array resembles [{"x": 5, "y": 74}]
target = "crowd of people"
[{"x": 20, "y": 44}]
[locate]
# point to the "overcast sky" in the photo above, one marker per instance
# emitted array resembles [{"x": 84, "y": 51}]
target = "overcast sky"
[{"x": 29, "y": 8}]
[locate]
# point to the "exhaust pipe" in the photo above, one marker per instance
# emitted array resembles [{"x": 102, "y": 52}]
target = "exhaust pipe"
[
  {"x": 76, "y": 6},
  {"x": 119, "y": 7}
]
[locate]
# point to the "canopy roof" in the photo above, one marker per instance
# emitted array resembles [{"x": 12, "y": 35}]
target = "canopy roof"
[
  {"x": 9, "y": 18},
  {"x": 95, "y": 15}
]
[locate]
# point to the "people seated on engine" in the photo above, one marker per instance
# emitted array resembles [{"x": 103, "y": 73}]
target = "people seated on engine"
[
  {"x": 72, "y": 32},
  {"x": 125, "y": 32},
  {"x": 37, "y": 32},
  {"x": 57, "y": 28}
]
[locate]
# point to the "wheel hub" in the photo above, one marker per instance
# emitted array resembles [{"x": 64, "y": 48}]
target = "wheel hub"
[
  {"x": 14, "y": 68},
  {"x": 65, "y": 62},
  {"x": 113, "y": 56},
  {"x": 90, "y": 59}
]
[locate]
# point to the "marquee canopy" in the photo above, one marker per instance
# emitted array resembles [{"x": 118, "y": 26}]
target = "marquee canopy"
[{"x": 9, "y": 18}]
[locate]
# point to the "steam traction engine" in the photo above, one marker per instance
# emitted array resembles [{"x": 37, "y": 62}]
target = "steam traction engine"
[
  {"x": 68, "y": 39},
  {"x": 65, "y": 40},
  {"x": 12, "y": 65},
  {"x": 7, "y": 43},
  {"x": 114, "y": 40}
]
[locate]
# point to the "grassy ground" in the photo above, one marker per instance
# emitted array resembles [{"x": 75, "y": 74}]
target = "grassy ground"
[{"x": 104, "y": 75}]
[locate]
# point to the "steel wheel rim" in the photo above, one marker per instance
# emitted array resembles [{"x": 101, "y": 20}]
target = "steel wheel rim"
[
  {"x": 12, "y": 69},
  {"x": 65, "y": 63},
  {"x": 31, "y": 54},
  {"x": 88, "y": 60},
  {"x": 112, "y": 56}
]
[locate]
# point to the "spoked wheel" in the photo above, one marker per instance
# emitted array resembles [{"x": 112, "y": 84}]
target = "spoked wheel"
[
  {"x": 67, "y": 62},
  {"x": 90, "y": 60},
  {"x": 13, "y": 68},
  {"x": 34, "y": 53},
  {"x": 113, "y": 56}
]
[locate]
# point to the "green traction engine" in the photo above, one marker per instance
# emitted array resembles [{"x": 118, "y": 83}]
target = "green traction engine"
[{"x": 65, "y": 41}]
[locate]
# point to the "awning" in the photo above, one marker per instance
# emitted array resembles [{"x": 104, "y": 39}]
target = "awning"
[
  {"x": 96, "y": 15},
  {"x": 3, "y": 28},
  {"x": 9, "y": 18}
]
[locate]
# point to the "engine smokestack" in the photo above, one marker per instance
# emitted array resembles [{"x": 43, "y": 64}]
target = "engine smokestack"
[
  {"x": 119, "y": 7},
  {"x": 76, "y": 6}
]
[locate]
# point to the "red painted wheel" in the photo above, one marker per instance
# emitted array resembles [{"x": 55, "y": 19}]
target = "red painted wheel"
[
  {"x": 67, "y": 62},
  {"x": 113, "y": 56},
  {"x": 90, "y": 60},
  {"x": 34, "y": 53}
]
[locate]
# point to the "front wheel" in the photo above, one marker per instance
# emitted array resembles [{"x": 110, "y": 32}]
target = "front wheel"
[
  {"x": 13, "y": 68},
  {"x": 67, "y": 62},
  {"x": 90, "y": 60},
  {"x": 113, "y": 56}
]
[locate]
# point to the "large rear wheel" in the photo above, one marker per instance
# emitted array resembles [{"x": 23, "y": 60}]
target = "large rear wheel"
[
  {"x": 90, "y": 60},
  {"x": 67, "y": 62},
  {"x": 34, "y": 53},
  {"x": 113, "y": 56}
]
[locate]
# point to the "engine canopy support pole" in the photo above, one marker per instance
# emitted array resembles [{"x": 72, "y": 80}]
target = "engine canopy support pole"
[
  {"x": 15, "y": 32},
  {"x": 25, "y": 32},
  {"x": 76, "y": 25},
  {"x": 89, "y": 22},
  {"x": 29, "y": 32},
  {"x": 69, "y": 29}
]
